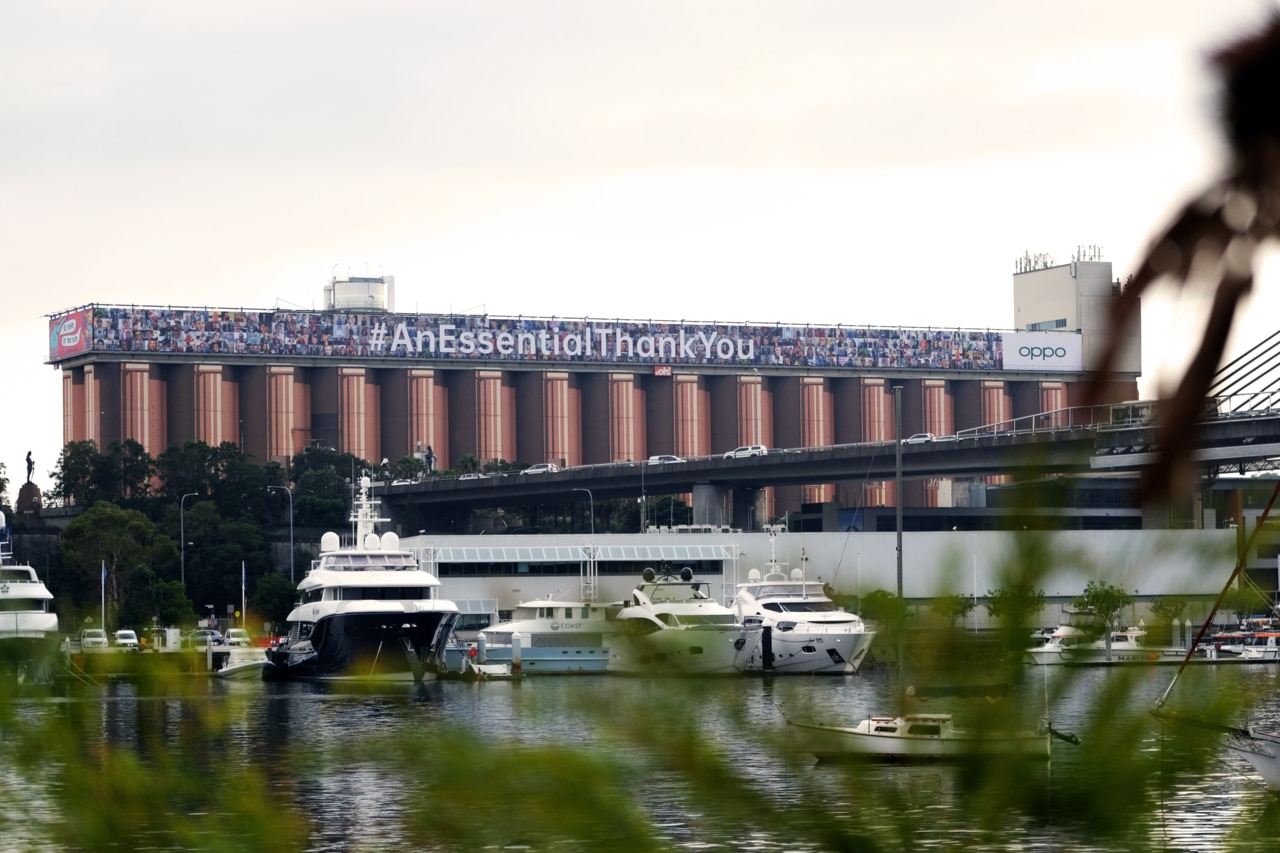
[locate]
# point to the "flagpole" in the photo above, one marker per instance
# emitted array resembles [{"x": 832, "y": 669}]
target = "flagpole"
[
  {"x": 104, "y": 595},
  {"x": 244, "y": 614}
]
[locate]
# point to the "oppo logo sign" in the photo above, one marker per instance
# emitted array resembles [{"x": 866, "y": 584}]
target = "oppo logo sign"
[{"x": 1034, "y": 353}]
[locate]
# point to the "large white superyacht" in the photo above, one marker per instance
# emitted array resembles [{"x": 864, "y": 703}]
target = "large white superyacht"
[{"x": 366, "y": 610}]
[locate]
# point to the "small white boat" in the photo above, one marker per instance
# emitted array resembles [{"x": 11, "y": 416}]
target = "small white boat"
[
  {"x": 245, "y": 662},
  {"x": 1051, "y": 651},
  {"x": 916, "y": 737},
  {"x": 670, "y": 625}
]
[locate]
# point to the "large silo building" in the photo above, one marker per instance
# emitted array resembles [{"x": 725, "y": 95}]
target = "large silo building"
[{"x": 363, "y": 378}]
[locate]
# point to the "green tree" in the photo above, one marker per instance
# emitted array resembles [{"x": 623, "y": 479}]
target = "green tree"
[
  {"x": 1106, "y": 601},
  {"x": 133, "y": 469},
  {"x": 1245, "y": 601},
  {"x": 884, "y": 607},
  {"x": 81, "y": 475},
  {"x": 468, "y": 464},
  {"x": 273, "y": 597},
  {"x": 106, "y": 537},
  {"x": 953, "y": 607},
  {"x": 1018, "y": 604},
  {"x": 320, "y": 499},
  {"x": 188, "y": 468},
  {"x": 219, "y": 547},
  {"x": 1166, "y": 608}
]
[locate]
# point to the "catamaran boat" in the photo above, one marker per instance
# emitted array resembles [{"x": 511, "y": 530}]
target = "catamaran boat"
[
  {"x": 368, "y": 610},
  {"x": 28, "y": 627},
  {"x": 930, "y": 737},
  {"x": 808, "y": 632},
  {"x": 670, "y": 625},
  {"x": 552, "y": 637}
]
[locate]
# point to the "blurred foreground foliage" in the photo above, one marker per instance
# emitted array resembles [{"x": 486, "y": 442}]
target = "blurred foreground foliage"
[{"x": 181, "y": 765}]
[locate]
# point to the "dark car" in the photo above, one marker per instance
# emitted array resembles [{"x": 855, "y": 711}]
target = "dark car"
[{"x": 202, "y": 638}]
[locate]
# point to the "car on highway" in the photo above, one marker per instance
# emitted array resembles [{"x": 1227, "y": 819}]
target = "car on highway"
[
  {"x": 542, "y": 468},
  {"x": 747, "y": 450},
  {"x": 664, "y": 459},
  {"x": 473, "y": 475},
  {"x": 919, "y": 438}
]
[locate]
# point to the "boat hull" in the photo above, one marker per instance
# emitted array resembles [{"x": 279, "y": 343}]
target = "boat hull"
[
  {"x": 811, "y": 650},
  {"x": 1263, "y": 752},
  {"x": 700, "y": 650},
  {"x": 366, "y": 644},
  {"x": 827, "y": 742},
  {"x": 551, "y": 660}
]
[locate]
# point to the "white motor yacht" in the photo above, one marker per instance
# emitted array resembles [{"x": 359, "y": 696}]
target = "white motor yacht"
[
  {"x": 552, "y": 637},
  {"x": 367, "y": 610},
  {"x": 28, "y": 626},
  {"x": 672, "y": 626},
  {"x": 807, "y": 633}
]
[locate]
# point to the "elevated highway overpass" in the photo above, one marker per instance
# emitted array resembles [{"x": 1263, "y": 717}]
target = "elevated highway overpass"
[{"x": 1099, "y": 440}]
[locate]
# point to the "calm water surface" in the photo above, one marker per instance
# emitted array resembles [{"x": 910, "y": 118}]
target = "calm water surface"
[{"x": 361, "y": 800}]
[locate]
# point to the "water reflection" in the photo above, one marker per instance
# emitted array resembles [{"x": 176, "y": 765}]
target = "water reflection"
[{"x": 389, "y": 767}]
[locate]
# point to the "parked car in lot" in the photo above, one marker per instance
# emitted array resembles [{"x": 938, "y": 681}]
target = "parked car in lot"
[
  {"x": 919, "y": 438},
  {"x": 126, "y": 639},
  {"x": 664, "y": 459},
  {"x": 202, "y": 638},
  {"x": 238, "y": 637},
  {"x": 93, "y": 638},
  {"x": 748, "y": 450},
  {"x": 542, "y": 468}
]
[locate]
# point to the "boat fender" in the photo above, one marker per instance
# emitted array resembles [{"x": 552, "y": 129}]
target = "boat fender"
[{"x": 471, "y": 652}]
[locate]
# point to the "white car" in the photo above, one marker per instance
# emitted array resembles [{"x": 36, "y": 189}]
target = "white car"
[
  {"x": 919, "y": 438},
  {"x": 664, "y": 459},
  {"x": 542, "y": 468},
  {"x": 93, "y": 638},
  {"x": 748, "y": 450},
  {"x": 126, "y": 639},
  {"x": 238, "y": 637}
]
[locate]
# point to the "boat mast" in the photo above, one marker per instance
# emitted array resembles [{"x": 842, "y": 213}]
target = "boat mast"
[{"x": 897, "y": 501}]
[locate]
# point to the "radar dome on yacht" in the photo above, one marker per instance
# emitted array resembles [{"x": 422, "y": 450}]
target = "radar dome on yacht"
[
  {"x": 753, "y": 575},
  {"x": 329, "y": 542},
  {"x": 686, "y": 574},
  {"x": 797, "y": 575},
  {"x": 371, "y": 542},
  {"x": 390, "y": 541},
  {"x": 649, "y": 575}
]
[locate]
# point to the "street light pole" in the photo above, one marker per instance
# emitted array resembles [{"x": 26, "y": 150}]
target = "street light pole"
[
  {"x": 290, "y": 494},
  {"x": 591, "y": 501},
  {"x": 182, "y": 532}
]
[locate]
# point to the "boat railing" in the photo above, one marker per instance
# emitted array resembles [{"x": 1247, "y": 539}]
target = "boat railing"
[{"x": 790, "y": 627}]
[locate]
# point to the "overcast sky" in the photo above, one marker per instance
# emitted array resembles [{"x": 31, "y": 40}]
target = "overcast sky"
[{"x": 837, "y": 161}]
